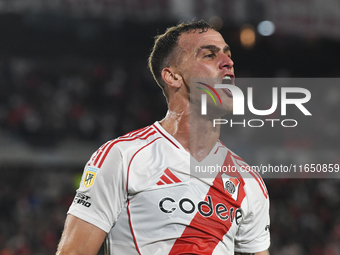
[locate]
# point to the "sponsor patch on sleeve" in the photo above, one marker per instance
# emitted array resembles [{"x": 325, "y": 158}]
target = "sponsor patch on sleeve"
[
  {"x": 82, "y": 199},
  {"x": 90, "y": 176}
]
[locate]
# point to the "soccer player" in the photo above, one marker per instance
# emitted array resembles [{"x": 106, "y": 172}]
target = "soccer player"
[{"x": 139, "y": 193}]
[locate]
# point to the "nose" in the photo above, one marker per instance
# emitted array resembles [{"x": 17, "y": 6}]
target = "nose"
[{"x": 226, "y": 61}]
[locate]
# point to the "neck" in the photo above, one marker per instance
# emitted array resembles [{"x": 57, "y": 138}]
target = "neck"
[{"x": 192, "y": 130}]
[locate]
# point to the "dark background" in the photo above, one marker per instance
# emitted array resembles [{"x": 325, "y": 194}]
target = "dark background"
[{"x": 73, "y": 74}]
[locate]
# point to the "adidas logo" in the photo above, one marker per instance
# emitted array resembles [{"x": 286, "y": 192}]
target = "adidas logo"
[{"x": 168, "y": 178}]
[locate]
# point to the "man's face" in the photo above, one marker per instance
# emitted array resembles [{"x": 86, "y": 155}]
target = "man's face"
[{"x": 206, "y": 55}]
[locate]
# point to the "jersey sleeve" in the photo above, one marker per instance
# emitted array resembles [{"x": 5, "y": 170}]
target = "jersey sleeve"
[
  {"x": 102, "y": 192},
  {"x": 253, "y": 233}
]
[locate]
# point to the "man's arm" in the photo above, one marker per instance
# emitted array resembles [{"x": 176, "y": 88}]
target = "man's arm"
[
  {"x": 80, "y": 237},
  {"x": 257, "y": 253}
]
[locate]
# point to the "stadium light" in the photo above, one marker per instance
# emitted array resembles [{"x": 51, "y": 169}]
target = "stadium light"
[{"x": 266, "y": 28}]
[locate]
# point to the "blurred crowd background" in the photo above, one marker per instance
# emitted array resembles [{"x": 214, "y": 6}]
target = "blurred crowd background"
[{"x": 73, "y": 74}]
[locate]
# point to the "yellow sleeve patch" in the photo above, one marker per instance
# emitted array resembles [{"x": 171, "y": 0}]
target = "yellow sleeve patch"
[{"x": 90, "y": 176}]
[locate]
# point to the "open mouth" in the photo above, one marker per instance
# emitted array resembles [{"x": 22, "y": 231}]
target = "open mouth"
[{"x": 228, "y": 80}]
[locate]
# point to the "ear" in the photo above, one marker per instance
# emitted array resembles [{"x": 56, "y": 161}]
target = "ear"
[{"x": 171, "y": 78}]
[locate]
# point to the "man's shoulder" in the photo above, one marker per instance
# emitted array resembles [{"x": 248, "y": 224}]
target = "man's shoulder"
[
  {"x": 135, "y": 139},
  {"x": 124, "y": 145}
]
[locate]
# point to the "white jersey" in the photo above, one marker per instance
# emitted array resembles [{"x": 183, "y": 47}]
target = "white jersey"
[{"x": 138, "y": 188}]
